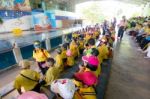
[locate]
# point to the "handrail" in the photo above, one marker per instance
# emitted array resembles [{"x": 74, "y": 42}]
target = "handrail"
[{"x": 62, "y": 31}]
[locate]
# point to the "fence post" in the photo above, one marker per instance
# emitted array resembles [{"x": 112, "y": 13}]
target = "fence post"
[{"x": 17, "y": 53}]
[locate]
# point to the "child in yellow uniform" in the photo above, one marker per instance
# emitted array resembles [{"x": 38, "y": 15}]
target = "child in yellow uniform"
[
  {"x": 28, "y": 79},
  {"x": 91, "y": 63},
  {"x": 59, "y": 61},
  {"x": 96, "y": 53},
  {"x": 74, "y": 48},
  {"x": 96, "y": 34},
  {"x": 87, "y": 37},
  {"x": 87, "y": 92},
  {"x": 85, "y": 80},
  {"x": 81, "y": 45},
  {"x": 103, "y": 49},
  {"x": 63, "y": 54},
  {"x": 52, "y": 73},
  {"x": 84, "y": 92},
  {"x": 70, "y": 58},
  {"x": 40, "y": 55}
]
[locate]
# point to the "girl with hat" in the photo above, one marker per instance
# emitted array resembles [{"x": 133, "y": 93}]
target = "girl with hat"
[
  {"x": 40, "y": 55},
  {"x": 91, "y": 63}
]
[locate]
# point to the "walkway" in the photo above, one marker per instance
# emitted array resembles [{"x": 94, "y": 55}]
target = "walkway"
[{"x": 130, "y": 73}]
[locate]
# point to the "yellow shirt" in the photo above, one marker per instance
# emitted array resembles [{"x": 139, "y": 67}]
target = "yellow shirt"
[
  {"x": 96, "y": 33},
  {"x": 95, "y": 72},
  {"x": 77, "y": 83},
  {"x": 63, "y": 54},
  {"x": 41, "y": 56},
  {"x": 147, "y": 31},
  {"x": 75, "y": 35},
  {"x": 81, "y": 46},
  {"x": 86, "y": 93},
  {"x": 59, "y": 62},
  {"x": 87, "y": 37},
  {"x": 70, "y": 61},
  {"x": 51, "y": 74},
  {"x": 103, "y": 52},
  {"x": 27, "y": 84},
  {"x": 74, "y": 49}
]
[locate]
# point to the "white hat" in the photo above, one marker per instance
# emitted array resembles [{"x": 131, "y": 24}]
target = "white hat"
[{"x": 64, "y": 87}]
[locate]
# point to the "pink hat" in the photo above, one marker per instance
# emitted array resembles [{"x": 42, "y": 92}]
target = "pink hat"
[
  {"x": 32, "y": 95},
  {"x": 88, "y": 78},
  {"x": 92, "y": 60}
]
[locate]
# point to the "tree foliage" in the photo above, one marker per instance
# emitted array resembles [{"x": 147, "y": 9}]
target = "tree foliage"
[{"x": 93, "y": 13}]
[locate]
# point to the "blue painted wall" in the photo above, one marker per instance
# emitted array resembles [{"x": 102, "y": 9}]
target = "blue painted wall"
[
  {"x": 7, "y": 59},
  {"x": 56, "y": 41}
]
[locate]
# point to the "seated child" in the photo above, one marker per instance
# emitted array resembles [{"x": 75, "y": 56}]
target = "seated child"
[
  {"x": 27, "y": 79},
  {"x": 91, "y": 63},
  {"x": 85, "y": 82},
  {"x": 70, "y": 58},
  {"x": 64, "y": 50},
  {"x": 81, "y": 45},
  {"x": 52, "y": 73},
  {"x": 59, "y": 60},
  {"x": 103, "y": 49},
  {"x": 96, "y": 53},
  {"x": 74, "y": 48}
]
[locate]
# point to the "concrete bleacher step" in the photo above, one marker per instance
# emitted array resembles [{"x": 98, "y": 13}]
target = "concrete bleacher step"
[{"x": 6, "y": 89}]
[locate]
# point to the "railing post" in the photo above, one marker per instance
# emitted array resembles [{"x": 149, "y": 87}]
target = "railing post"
[
  {"x": 17, "y": 53},
  {"x": 48, "y": 44}
]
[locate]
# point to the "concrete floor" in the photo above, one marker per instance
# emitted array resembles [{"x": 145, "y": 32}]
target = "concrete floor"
[{"x": 130, "y": 73}]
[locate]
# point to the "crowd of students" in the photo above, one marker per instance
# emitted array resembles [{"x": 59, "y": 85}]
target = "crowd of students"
[
  {"x": 87, "y": 43},
  {"x": 139, "y": 28}
]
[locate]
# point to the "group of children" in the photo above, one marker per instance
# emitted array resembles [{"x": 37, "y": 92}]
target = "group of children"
[
  {"x": 89, "y": 45},
  {"x": 140, "y": 30}
]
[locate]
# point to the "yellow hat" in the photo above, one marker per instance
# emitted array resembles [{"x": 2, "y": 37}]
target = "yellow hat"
[{"x": 24, "y": 64}]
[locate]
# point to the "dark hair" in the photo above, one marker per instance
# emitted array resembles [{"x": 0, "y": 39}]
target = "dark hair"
[
  {"x": 75, "y": 39},
  {"x": 65, "y": 46},
  {"x": 95, "y": 52},
  {"x": 91, "y": 67},
  {"x": 91, "y": 41},
  {"x": 86, "y": 44},
  {"x": 51, "y": 60}
]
